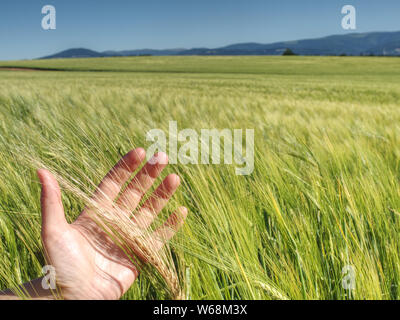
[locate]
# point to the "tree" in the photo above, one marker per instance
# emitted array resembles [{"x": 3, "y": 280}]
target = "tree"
[{"x": 288, "y": 52}]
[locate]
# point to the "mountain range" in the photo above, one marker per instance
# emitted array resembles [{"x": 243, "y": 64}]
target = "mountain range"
[{"x": 371, "y": 43}]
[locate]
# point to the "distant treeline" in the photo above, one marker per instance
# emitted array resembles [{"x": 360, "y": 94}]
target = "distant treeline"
[{"x": 290, "y": 52}]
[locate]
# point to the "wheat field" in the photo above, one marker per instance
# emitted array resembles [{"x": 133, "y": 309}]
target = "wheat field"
[{"x": 324, "y": 193}]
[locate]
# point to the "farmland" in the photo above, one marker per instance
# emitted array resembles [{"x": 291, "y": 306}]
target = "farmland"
[{"x": 324, "y": 194}]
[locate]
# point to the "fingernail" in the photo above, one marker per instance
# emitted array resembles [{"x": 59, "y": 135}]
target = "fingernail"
[{"x": 159, "y": 158}]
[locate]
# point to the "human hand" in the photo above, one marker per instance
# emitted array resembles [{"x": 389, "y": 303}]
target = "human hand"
[{"x": 88, "y": 264}]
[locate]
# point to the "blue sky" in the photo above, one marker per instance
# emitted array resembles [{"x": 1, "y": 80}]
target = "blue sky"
[{"x": 159, "y": 24}]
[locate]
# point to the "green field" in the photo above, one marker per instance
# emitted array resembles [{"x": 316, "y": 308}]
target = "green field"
[{"x": 324, "y": 193}]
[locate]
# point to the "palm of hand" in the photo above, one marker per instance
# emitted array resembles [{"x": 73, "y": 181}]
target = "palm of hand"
[{"x": 88, "y": 264}]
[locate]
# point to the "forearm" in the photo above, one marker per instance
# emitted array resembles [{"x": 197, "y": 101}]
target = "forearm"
[{"x": 32, "y": 290}]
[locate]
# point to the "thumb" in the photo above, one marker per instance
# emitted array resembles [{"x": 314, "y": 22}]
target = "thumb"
[{"x": 53, "y": 217}]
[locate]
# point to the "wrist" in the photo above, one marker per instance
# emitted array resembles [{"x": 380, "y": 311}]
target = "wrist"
[{"x": 37, "y": 289}]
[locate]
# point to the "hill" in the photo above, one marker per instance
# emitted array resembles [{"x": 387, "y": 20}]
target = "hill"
[{"x": 372, "y": 43}]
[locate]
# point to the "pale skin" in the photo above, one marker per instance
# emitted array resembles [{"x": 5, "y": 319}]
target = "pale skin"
[{"x": 88, "y": 264}]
